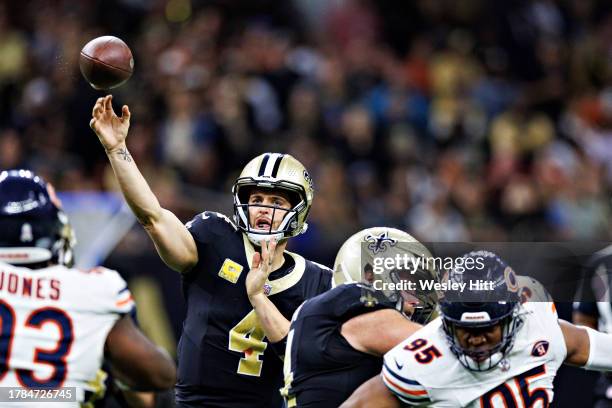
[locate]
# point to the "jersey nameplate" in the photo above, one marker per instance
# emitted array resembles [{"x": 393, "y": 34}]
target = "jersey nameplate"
[{"x": 230, "y": 270}]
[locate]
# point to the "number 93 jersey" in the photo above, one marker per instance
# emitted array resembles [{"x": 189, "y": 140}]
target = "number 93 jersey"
[
  {"x": 54, "y": 323},
  {"x": 423, "y": 371}
]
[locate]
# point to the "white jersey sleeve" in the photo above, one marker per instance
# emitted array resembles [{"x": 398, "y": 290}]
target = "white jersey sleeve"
[
  {"x": 400, "y": 383},
  {"x": 115, "y": 296}
]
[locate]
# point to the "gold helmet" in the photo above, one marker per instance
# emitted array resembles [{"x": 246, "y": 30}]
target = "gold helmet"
[
  {"x": 356, "y": 262},
  {"x": 274, "y": 171}
]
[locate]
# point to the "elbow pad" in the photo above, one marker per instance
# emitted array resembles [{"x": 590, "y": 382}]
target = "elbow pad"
[{"x": 600, "y": 351}]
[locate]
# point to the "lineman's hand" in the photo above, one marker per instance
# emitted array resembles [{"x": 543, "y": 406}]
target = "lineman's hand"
[
  {"x": 111, "y": 129},
  {"x": 261, "y": 267}
]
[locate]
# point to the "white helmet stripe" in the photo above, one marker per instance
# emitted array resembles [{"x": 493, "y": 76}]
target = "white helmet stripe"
[{"x": 270, "y": 165}]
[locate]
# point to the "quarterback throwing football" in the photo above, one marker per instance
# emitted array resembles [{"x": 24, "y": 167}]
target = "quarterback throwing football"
[{"x": 240, "y": 285}]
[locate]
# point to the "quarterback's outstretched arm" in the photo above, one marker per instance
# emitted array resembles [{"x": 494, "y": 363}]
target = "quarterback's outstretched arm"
[{"x": 173, "y": 241}]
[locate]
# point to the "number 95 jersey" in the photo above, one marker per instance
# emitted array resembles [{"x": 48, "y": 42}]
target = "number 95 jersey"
[
  {"x": 423, "y": 371},
  {"x": 54, "y": 323}
]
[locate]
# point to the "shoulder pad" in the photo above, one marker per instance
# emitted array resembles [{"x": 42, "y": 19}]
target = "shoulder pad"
[
  {"x": 321, "y": 266},
  {"x": 105, "y": 289},
  {"x": 209, "y": 222},
  {"x": 210, "y": 216},
  {"x": 530, "y": 290}
]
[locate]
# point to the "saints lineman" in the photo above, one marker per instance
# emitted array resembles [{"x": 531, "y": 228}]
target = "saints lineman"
[
  {"x": 338, "y": 338},
  {"x": 58, "y": 322},
  {"x": 231, "y": 336},
  {"x": 484, "y": 352}
]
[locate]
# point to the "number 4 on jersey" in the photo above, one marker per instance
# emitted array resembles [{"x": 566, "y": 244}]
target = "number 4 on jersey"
[{"x": 247, "y": 337}]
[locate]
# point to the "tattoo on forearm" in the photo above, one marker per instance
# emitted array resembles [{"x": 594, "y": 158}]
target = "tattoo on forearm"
[{"x": 123, "y": 152}]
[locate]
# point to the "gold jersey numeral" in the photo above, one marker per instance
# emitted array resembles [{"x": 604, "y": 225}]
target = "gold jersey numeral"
[{"x": 247, "y": 337}]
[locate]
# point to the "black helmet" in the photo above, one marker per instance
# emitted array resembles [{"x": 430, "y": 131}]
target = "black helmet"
[
  {"x": 34, "y": 229},
  {"x": 472, "y": 307}
]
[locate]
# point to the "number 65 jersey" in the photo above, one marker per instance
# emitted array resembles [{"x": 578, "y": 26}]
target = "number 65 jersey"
[
  {"x": 423, "y": 371},
  {"x": 54, "y": 323}
]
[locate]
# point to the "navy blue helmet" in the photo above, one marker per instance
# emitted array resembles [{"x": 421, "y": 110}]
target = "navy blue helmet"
[
  {"x": 489, "y": 298},
  {"x": 35, "y": 231}
]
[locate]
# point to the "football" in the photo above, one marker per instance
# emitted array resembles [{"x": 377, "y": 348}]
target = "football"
[{"x": 106, "y": 62}]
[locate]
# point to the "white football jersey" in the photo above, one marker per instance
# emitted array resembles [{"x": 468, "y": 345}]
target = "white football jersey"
[
  {"x": 54, "y": 325},
  {"x": 423, "y": 371}
]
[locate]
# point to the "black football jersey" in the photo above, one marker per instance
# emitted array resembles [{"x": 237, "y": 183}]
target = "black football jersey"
[
  {"x": 224, "y": 359},
  {"x": 324, "y": 368}
]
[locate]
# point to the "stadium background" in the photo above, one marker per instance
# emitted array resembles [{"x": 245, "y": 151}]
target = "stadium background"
[{"x": 454, "y": 120}]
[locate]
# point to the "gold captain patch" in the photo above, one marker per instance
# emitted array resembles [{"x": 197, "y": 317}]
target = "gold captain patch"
[{"x": 230, "y": 270}]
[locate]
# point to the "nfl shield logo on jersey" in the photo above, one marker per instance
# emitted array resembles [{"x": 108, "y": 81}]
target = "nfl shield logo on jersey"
[{"x": 540, "y": 348}]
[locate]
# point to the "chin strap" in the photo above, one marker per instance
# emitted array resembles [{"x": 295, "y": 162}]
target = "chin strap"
[
  {"x": 256, "y": 239},
  {"x": 485, "y": 365}
]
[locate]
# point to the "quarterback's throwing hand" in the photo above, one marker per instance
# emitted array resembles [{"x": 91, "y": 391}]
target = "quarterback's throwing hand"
[
  {"x": 261, "y": 267},
  {"x": 111, "y": 129}
]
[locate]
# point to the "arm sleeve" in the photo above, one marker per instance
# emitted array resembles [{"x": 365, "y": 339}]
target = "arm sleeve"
[
  {"x": 207, "y": 229},
  {"x": 201, "y": 227},
  {"x": 119, "y": 298},
  {"x": 326, "y": 281},
  {"x": 326, "y": 278},
  {"x": 600, "y": 351}
]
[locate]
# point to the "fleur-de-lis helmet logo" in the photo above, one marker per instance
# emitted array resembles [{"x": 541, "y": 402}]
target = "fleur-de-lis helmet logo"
[{"x": 380, "y": 243}]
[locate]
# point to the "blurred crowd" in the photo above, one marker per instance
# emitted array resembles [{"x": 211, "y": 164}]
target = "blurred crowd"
[{"x": 454, "y": 120}]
